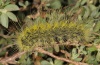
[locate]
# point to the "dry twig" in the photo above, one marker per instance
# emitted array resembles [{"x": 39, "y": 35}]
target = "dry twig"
[
  {"x": 59, "y": 58},
  {"x": 4, "y": 48},
  {"x": 6, "y": 36},
  {"x": 11, "y": 59}
]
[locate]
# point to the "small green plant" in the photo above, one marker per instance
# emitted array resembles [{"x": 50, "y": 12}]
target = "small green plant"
[
  {"x": 86, "y": 11},
  {"x": 50, "y": 62},
  {"x": 24, "y": 5},
  {"x": 6, "y": 9}
]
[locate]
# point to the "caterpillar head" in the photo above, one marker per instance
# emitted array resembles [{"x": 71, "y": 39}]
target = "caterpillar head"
[{"x": 46, "y": 34}]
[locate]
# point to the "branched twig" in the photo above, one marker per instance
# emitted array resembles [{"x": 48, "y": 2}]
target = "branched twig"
[
  {"x": 11, "y": 59},
  {"x": 96, "y": 34},
  {"x": 4, "y": 48},
  {"x": 67, "y": 55},
  {"x": 59, "y": 58},
  {"x": 6, "y": 36}
]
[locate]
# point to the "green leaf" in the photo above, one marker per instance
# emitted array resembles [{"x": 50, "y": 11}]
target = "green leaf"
[
  {"x": 11, "y": 7},
  {"x": 58, "y": 62},
  {"x": 12, "y": 16},
  {"x": 92, "y": 7},
  {"x": 21, "y": 4},
  {"x": 77, "y": 4},
  {"x": 50, "y": 50},
  {"x": 84, "y": 52},
  {"x": 80, "y": 17},
  {"x": 92, "y": 60},
  {"x": 74, "y": 54},
  {"x": 50, "y": 61},
  {"x": 56, "y": 4},
  {"x": 94, "y": 13},
  {"x": 22, "y": 60},
  {"x": 2, "y": 53},
  {"x": 98, "y": 15},
  {"x": 26, "y": 3},
  {"x": 98, "y": 56},
  {"x": 81, "y": 48},
  {"x": 1, "y": 64},
  {"x": 96, "y": 41},
  {"x": 56, "y": 48},
  {"x": 83, "y": 2},
  {"x": 2, "y": 41},
  {"x": 21, "y": 16},
  {"x": 70, "y": 2},
  {"x": 28, "y": 61},
  {"x": 97, "y": 27},
  {"x": 91, "y": 49},
  {"x": 44, "y": 62},
  {"x": 78, "y": 59},
  {"x": 4, "y": 20},
  {"x": 7, "y": 2},
  {"x": 87, "y": 12}
]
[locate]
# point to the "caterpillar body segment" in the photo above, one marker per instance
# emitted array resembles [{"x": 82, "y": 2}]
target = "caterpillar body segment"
[{"x": 46, "y": 34}]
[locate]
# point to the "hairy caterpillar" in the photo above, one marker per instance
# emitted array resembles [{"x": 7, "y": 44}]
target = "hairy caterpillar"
[{"x": 45, "y": 34}]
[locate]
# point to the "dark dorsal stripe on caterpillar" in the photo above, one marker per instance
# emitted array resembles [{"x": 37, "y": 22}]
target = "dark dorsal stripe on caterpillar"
[{"x": 45, "y": 34}]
